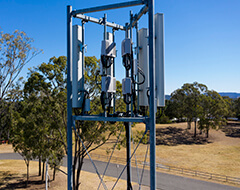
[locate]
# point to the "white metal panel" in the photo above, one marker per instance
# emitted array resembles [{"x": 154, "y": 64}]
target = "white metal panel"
[
  {"x": 126, "y": 86},
  {"x": 159, "y": 59},
  {"x": 126, "y": 46},
  {"x": 108, "y": 84},
  {"x": 110, "y": 38},
  {"x": 77, "y": 73},
  {"x": 108, "y": 48},
  {"x": 143, "y": 64}
]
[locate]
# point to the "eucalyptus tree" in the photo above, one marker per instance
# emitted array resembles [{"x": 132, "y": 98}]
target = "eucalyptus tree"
[
  {"x": 16, "y": 51},
  {"x": 25, "y": 131},
  {"x": 47, "y": 83},
  {"x": 187, "y": 101},
  {"x": 212, "y": 112}
]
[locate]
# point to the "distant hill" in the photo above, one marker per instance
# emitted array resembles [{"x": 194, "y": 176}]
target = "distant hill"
[
  {"x": 232, "y": 95},
  {"x": 167, "y": 97}
]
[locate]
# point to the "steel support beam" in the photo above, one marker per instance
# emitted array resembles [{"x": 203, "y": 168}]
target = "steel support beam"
[
  {"x": 138, "y": 16},
  {"x": 108, "y": 7},
  {"x": 152, "y": 94},
  {"x": 99, "y": 21},
  {"x": 69, "y": 94},
  {"x": 111, "y": 119}
]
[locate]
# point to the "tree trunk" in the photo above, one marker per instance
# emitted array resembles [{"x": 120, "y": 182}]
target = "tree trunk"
[
  {"x": 27, "y": 163},
  {"x": 195, "y": 128},
  {"x": 39, "y": 166},
  {"x": 189, "y": 124},
  {"x": 207, "y": 133},
  {"x": 43, "y": 171},
  {"x": 200, "y": 131},
  {"x": 54, "y": 173}
]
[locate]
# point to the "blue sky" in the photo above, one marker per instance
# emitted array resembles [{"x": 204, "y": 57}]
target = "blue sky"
[{"x": 202, "y": 38}]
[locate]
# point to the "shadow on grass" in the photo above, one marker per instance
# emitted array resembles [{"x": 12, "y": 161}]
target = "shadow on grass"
[
  {"x": 173, "y": 136},
  {"x": 19, "y": 182},
  {"x": 232, "y": 130}
]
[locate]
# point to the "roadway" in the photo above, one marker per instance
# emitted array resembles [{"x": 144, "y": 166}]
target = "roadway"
[{"x": 164, "y": 181}]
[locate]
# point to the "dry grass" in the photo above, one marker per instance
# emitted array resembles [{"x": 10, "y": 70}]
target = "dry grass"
[
  {"x": 221, "y": 155},
  {"x": 6, "y": 148},
  {"x": 13, "y": 175}
]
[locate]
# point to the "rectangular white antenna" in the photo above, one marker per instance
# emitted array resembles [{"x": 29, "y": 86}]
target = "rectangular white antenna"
[
  {"x": 159, "y": 59},
  {"x": 143, "y": 64},
  {"x": 110, "y": 38},
  {"x": 77, "y": 72}
]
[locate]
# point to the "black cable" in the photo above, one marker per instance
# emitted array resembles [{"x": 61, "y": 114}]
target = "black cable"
[
  {"x": 105, "y": 60},
  {"x": 102, "y": 98},
  {"x": 126, "y": 99},
  {"x": 126, "y": 64},
  {"x": 143, "y": 75}
]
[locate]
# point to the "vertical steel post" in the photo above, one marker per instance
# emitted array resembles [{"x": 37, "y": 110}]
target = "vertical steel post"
[
  {"x": 128, "y": 135},
  {"x": 136, "y": 26},
  {"x": 69, "y": 94},
  {"x": 105, "y": 38},
  {"x": 83, "y": 63},
  {"x": 152, "y": 94},
  {"x": 105, "y": 27},
  {"x": 114, "y": 95}
]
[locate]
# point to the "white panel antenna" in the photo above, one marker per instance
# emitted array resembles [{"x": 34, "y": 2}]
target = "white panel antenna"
[
  {"x": 77, "y": 68},
  {"x": 110, "y": 39},
  {"x": 144, "y": 65},
  {"x": 159, "y": 59}
]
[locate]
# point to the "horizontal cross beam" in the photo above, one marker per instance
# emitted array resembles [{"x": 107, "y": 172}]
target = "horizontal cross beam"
[
  {"x": 108, "y": 7},
  {"x": 99, "y": 21},
  {"x": 111, "y": 119}
]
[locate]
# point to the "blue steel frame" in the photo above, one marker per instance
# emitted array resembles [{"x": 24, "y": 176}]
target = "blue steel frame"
[{"x": 150, "y": 122}]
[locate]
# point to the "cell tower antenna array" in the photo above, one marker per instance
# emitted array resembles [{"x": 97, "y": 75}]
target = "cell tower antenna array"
[{"x": 142, "y": 87}]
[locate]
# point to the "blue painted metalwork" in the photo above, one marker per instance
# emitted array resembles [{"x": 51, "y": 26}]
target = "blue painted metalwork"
[
  {"x": 69, "y": 94},
  {"x": 138, "y": 16},
  {"x": 149, "y": 121},
  {"x": 111, "y": 119},
  {"x": 152, "y": 95},
  {"x": 109, "y": 7},
  {"x": 99, "y": 21}
]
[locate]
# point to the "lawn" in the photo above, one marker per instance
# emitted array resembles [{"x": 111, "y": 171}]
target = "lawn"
[
  {"x": 13, "y": 176},
  {"x": 218, "y": 154}
]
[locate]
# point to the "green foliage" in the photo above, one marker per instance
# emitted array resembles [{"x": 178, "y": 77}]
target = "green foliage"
[
  {"x": 195, "y": 101},
  {"x": 187, "y": 99},
  {"x": 40, "y": 125},
  {"x": 139, "y": 135},
  {"x": 213, "y": 110},
  {"x": 16, "y": 51},
  {"x": 237, "y": 107},
  {"x": 161, "y": 117}
]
